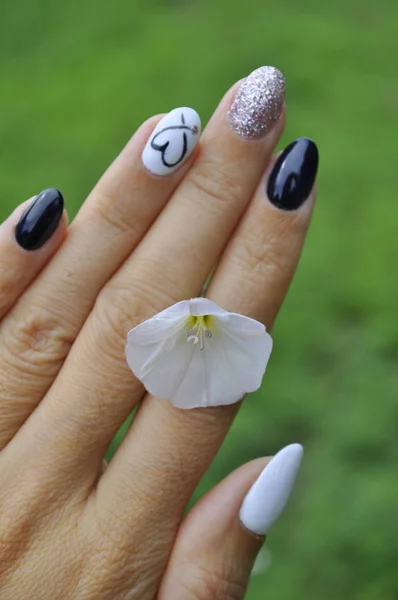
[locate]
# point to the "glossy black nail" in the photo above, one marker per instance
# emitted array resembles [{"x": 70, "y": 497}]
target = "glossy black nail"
[
  {"x": 40, "y": 220},
  {"x": 293, "y": 175}
]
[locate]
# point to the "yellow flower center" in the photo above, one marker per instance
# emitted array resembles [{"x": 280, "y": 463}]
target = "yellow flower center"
[{"x": 199, "y": 330}]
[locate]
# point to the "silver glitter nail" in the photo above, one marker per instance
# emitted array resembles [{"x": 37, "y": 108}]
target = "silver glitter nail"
[{"x": 258, "y": 103}]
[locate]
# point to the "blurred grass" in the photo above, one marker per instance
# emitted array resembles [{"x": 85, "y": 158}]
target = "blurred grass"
[{"x": 79, "y": 77}]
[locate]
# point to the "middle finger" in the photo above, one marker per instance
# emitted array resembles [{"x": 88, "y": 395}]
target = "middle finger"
[{"x": 171, "y": 263}]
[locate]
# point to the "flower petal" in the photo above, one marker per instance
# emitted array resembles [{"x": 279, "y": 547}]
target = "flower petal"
[
  {"x": 199, "y": 307},
  {"x": 231, "y": 363},
  {"x": 228, "y": 368},
  {"x": 180, "y": 309},
  {"x": 240, "y": 324},
  {"x": 162, "y": 364},
  {"x": 222, "y": 373},
  {"x": 161, "y": 326},
  {"x": 223, "y": 384},
  {"x": 193, "y": 390},
  {"x": 247, "y": 347}
]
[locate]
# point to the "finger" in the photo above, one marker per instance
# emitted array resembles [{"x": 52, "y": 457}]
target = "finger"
[
  {"x": 37, "y": 335},
  {"x": 216, "y": 546},
  {"x": 171, "y": 263},
  {"x": 252, "y": 278},
  {"x": 266, "y": 249},
  {"x": 28, "y": 240}
]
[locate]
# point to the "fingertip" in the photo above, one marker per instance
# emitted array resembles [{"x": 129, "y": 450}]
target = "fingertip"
[
  {"x": 172, "y": 141},
  {"x": 266, "y": 500},
  {"x": 40, "y": 221},
  {"x": 291, "y": 178},
  {"x": 28, "y": 239}
]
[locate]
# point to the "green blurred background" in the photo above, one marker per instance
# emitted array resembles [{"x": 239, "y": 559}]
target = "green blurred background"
[{"x": 78, "y": 77}]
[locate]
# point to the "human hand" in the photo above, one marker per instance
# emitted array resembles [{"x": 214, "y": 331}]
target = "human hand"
[{"x": 71, "y": 529}]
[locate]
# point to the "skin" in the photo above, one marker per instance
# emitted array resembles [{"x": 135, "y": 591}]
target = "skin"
[{"x": 68, "y": 527}]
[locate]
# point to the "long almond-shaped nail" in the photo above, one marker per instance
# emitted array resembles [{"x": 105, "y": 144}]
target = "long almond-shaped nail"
[
  {"x": 40, "y": 220},
  {"x": 172, "y": 141},
  {"x": 268, "y": 496},
  {"x": 258, "y": 103},
  {"x": 293, "y": 175}
]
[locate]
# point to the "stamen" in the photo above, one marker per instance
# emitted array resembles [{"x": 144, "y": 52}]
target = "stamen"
[{"x": 199, "y": 332}]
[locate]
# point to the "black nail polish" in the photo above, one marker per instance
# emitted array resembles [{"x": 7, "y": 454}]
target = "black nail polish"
[
  {"x": 293, "y": 175},
  {"x": 40, "y": 220}
]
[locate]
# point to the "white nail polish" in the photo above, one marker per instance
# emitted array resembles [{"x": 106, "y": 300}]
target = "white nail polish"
[
  {"x": 172, "y": 141},
  {"x": 268, "y": 496}
]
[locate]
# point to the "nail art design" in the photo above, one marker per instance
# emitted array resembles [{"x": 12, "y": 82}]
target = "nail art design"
[
  {"x": 267, "y": 498},
  {"x": 293, "y": 175},
  {"x": 172, "y": 141},
  {"x": 258, "y": 103},
  {"x": 40, "y": 220}
]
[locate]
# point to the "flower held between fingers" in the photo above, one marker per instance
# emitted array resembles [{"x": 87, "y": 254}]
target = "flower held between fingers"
[{"x": 197, "y": 354}]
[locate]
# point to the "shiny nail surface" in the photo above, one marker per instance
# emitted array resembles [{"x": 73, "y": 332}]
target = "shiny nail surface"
[
  {"x": 293, "y": 175},
  {"x": 268, "y": 496},
  {"x": 172, "y": 141},
  {"x": 258, "y": 103},
  {"x": 40, "y": 220}
]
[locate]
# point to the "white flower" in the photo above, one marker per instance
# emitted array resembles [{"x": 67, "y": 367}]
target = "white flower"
[{"x": 197, "y": 354}]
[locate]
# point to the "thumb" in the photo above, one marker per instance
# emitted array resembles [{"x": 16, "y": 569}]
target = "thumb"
[{"x": 218, "y": 542}]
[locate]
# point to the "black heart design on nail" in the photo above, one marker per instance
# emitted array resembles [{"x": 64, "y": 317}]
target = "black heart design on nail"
[{"x": 163, "y": 147}]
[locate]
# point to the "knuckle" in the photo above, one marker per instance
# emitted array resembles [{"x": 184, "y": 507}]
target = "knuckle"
[
  {"x": 115, "y": 555},
  {"x": 217, "y": 182},
  {"x": 35, "y": 339},
  {"x": 205, "y": 583},
  {"x": 110, "y": 209},
  {"x": 250, "y": 254},
  {"x": 259, "y": 259},
  {"x": 122, "y": 557},
  {"x": 120, "y": 307},
  {"x": 264, "y": 269},
  {"x": 277, "y": 251},
  {"x": 32, "y": 557}
]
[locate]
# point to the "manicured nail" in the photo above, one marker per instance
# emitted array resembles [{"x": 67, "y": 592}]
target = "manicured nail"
[
  {"x": 40, "y": 220},
  {"x": 293, "y": 175},
  {"x": 172, "y": 141},
  {"x": 268, "y": 496},
  {"x": 258, "y": 103}
]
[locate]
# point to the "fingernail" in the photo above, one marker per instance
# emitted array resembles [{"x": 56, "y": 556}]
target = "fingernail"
[
  {"x": 268, "y": 496},
  {"x": 172, "y": 141},
  {"x": 40, "y": 220},
  {"x": 258, "y": 103},
  {"x": 293, "y": 175}
]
